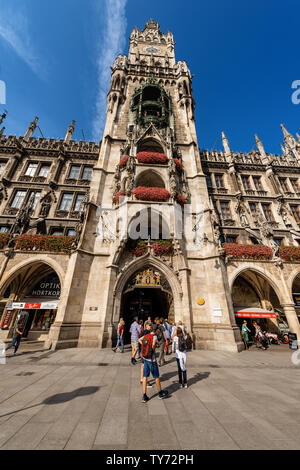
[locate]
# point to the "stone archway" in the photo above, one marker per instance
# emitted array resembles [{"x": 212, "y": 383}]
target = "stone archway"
[
  {"x": 146, "y": 262},
  {"x": 255, "y": 299},
  {"x": 30, "y": 293},
  {"x": 146, "y": 294}
]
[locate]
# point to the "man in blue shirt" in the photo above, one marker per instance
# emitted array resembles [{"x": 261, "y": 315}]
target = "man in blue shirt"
[{"x": 134, "y": 330}]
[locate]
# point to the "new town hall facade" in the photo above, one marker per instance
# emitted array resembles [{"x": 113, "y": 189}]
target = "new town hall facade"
[{"x": 64, "y": 270}]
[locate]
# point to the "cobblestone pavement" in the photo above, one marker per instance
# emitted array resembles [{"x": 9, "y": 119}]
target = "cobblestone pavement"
[{"x": 91, "y": 399}]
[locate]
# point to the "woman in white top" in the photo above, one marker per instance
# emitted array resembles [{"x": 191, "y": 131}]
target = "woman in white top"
[{"x": 180, "y": 348}]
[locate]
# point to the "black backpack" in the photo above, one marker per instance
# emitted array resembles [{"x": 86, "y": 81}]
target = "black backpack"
[
  {"x": 181, "y": 344},
  {"x": 159, "y": 334}
]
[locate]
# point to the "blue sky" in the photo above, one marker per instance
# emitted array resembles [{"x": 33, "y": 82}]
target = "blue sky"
[{"x": 55, "y": 57}]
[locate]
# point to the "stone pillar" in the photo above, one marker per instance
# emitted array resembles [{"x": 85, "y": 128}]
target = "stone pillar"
[{"x": 292, "y": 319}]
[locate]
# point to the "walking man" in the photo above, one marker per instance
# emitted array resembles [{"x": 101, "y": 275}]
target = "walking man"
[
  {"x": 16, "y": 338},
  {"x": 134, "y": 330},
  {"x": 161, "y": 338},
  {"x": 148, "y": 343}
]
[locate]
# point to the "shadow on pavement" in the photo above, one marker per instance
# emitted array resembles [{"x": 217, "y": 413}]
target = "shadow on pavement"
[
  {"x": 60, "y": 398},
  {"x": 175, "y": 385}
]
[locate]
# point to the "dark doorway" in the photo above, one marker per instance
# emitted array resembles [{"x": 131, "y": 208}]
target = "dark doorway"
[{"x": 143, "y": 302}]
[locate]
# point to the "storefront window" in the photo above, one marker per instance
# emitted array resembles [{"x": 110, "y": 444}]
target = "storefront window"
[{"x": 43, "y": 319}]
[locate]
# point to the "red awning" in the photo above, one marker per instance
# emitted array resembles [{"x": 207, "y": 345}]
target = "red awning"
[{"x": 255, "y": 315}]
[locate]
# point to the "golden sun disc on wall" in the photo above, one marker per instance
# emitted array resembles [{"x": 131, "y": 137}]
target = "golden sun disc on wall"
[{"x": 200, "y": 301}]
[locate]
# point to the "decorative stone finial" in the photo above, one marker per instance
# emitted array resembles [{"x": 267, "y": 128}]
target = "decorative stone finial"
[
  {"x": 31, "y": 128},
  {"x": 70, "y": 131}
]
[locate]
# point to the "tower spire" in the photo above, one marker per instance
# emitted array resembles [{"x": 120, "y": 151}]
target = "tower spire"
[
  {"x": 31, "y": 128},
  {"x": 225, "y": 144}
]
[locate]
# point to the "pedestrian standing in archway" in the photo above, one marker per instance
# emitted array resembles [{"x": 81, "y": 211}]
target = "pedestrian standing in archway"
[
  {"x": 120, "y": 335},
  {"x": 134, "y": 331},
  {"x": 161, "y": 338},
  {"x": 180, "y": 348},
  {"x": 245, "y": 331},
  {"x": 16, "y": 337}
]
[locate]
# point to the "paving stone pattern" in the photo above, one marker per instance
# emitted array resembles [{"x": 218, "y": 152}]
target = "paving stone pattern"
[{"x": 91, "y": 399}]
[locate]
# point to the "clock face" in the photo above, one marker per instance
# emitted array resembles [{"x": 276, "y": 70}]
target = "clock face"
[{"x": 151, "y": 50}]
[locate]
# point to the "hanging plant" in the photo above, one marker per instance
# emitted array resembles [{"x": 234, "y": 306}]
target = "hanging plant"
[
  {"x": 123, "y": 161},
  {"x": 4, "y": 237},
  {"x": 118, "y": 195},
  {"x": 151, "y": 157},
  {"x": 178, "y": 164},
  {"x": 181, "y": 199},
  {"x": 151, "y": 194},
  {"x": 140, "y": 248}
]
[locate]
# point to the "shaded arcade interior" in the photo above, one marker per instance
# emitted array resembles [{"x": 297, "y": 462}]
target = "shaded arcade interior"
[{"x": 147, "y": 293}]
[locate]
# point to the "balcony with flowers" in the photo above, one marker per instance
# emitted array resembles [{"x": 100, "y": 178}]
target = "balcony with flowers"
[
  {"x": 146, "y": 193},
  {"x": 49, "y": 243},
  {"x": 151, "y": 157},
  {"x": 158, "y": 247},
  {"x": 244, "y": 251}
]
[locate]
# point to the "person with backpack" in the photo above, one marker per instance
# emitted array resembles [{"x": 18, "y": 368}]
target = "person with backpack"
[
  {"x": 180, "y": 349},
  {"x": 161, "y": 339},
  {"x": 148, "y": 344}
]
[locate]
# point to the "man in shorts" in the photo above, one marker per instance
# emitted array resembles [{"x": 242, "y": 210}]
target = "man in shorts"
[{"x": 150, "y": 365}]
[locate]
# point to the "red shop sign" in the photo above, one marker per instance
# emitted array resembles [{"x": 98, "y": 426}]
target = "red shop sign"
[
  {"x": 7, "y": 319},
  {"x": 32, "y": 305}
]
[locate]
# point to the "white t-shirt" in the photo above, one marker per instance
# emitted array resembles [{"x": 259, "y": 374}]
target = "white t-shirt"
[{"x": 176, "y": 340}]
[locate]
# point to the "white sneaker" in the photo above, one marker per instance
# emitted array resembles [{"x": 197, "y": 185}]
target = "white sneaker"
[{"x": 180, "y": 386}]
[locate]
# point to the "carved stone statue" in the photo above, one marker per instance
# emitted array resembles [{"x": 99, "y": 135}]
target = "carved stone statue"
[
  {"x": 105, "y": 230},
  {"x": 45, "y": 206},
  {"x": 242, "y": 211},
  {"x": 173, "y": 186},
  {"x": 116, "y": 183},
  {"x": 130, "y": 164},
  {"x": 171, "y": 166},
  {"x": 129, "y": 184},
  {"x": 215, "y": 227}
]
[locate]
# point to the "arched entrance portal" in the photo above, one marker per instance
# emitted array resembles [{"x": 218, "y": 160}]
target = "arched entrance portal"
[
  {"x": 31, "y": 296},
  {"x": 254, "y": 299},
  {"x": 147, "y": 293}
]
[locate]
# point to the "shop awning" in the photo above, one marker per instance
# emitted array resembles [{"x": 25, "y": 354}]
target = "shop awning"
[
  {"x": 254, "y": 313},
  {"x": 32, "y": 305}
]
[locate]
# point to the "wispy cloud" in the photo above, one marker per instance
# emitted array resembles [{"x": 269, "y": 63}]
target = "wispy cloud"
[
  {"x": 14, "y": 29},
  {"x": 110, "y": 45}
]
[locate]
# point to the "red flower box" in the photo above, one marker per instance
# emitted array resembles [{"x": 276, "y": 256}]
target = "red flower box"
[
  {"x": 54, "y": 243},
  {"x": 247, "y": 251},
  {"x": 118, "y": 195},
  {"x": 4, "y": 237},
  {"x": 151, "y": 157},
  {"x": 290, "y": 253},
  {"x": 162, "y": 247},
  {"x": 178, "y": 164},
  {"x": 151, "y": 194},
  {"x": 123, "y": 161}
]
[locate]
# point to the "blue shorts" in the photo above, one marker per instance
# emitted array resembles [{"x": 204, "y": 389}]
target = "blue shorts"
[{"x": 152, "y": 367}]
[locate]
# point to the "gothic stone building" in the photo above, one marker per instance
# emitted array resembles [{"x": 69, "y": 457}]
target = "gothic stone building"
[{"x": 71, "y": 278}]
